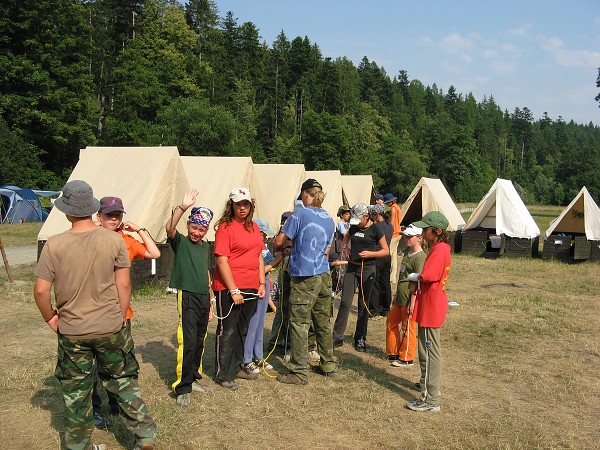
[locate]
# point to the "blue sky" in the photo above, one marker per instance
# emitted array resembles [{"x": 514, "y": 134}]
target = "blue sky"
[{"x": 543, "y": 55}]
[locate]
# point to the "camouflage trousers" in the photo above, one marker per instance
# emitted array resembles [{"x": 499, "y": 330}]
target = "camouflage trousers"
[
  {"x": 117, "y": 368},
  {"x": 310, "y": 300}
]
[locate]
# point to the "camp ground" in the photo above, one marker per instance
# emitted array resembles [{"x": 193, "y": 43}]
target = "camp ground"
[
  {"x": 275, "y": 187},
  {"x": 19, "y": 204},
  {"x": 358, "y": 189},
  {"x": 331, "y": 180},
  {"x": 501, "y": 225},
  {"x": 575, "y": 234},
  {"x": 150, "y": 181},
  {"x": 215, "y": 177}
]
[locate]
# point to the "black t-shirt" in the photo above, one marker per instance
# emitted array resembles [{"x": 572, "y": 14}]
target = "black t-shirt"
[
  {"x": 387, "y": 229},
  {"x": 364, "y": 240}
]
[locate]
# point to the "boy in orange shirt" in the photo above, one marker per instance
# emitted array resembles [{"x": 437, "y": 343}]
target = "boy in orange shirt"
[{"x": 110, "y": 217}]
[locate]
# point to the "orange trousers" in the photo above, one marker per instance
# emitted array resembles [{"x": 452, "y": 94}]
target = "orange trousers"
[{"x": 401, "y": 334}]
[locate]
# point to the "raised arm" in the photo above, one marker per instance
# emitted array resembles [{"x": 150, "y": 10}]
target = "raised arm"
[
  {"x": 189, "y": 199},
  {"x": 152, "y": 251}
]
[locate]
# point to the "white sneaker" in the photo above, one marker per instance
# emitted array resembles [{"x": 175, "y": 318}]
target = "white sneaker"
[
  {"x": 262, "y": 363},
  {"x": 250, "y": 367},
  {"x": 422, "y": 405}
]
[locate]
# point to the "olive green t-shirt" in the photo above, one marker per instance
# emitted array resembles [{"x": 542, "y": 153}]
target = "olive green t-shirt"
[
  {"x": 81, "y": 267},
  {"x": 410, "y": 264},
  {"x": 190, "y": 266}
]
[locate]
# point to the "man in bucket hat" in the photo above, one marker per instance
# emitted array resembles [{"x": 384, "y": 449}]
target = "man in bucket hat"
[{"x": 89, "y": 268}]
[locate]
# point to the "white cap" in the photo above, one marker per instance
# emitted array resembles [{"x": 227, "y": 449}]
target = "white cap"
[
  {"x": 239, "y": 194},
  {"x": 411, "y": 231}
]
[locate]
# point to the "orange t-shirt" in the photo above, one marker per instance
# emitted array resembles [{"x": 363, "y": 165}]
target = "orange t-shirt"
[{"x": 135, "y": 249}]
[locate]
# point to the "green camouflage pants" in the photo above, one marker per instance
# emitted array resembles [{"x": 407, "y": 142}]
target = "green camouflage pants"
[
  {"x": 310, "y": 299},
  {"x": 117, "y": 368}
]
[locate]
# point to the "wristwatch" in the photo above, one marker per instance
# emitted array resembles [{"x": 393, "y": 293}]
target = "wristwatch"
[{"x": 235, "y": 291}]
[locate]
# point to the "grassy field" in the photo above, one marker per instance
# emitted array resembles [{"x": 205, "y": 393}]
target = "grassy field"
[
  {"x": 18, "y": 235},
  {"x": 521, "y": 358}
]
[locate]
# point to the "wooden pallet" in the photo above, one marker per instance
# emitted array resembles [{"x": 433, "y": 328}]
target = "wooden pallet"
[
  {"x": 558, "y": 247},
  {"x": 474, "y": 242}
]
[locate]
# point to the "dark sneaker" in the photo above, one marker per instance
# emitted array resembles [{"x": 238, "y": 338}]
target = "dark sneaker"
[
  {"x": 242, "y": 374},
  {"x": 400, "y": 363},
  {"x": 317, "y": 369},
  {"x": 422, "y": 405},
  {"x": 99, "y": 420},
  {"x": 360, "y": 345},
  {"x": 291, "y": 378},
  {"x": 184, "y": 400},
  {"x": 338, "y": 343},
  {"x": 231, "y": 385}
]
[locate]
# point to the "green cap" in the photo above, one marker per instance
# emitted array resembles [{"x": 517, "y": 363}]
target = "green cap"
[{"x": 432, "y": 219}]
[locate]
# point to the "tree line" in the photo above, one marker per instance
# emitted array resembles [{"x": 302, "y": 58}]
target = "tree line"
[{"x": 76, "y": 73}]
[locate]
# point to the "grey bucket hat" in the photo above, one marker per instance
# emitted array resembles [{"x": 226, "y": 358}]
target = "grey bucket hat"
[{"x": 77, "y": 199}]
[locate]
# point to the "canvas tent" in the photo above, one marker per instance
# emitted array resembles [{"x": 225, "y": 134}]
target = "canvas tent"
[
  {"x": 358, "y": 189},
  {"x": 150, "y": 181},
  {"x": 275, "y": 187},
  {"x": 503, "y": 223},
  {"x": 430, "y": 195},
  {"x": 215, "y": 177},
  {"x": 331, "y": 180},
  {"x": 575, "y": 233},
  {"x": 20, "y": 205}
]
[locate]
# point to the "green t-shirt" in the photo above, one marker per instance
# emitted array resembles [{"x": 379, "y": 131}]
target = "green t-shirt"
[
  {"x": 410, "y": 264},
  {"x": 190, "y": 266}
]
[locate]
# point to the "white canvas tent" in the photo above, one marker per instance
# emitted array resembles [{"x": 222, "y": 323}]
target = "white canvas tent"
[
  {"x": 150, "y": 181},
  {"x": 215, "y": 177},
  {"x": 503, "y": 209},
  {"x": 331, "y": 180},
  {"x": 358, "y": 189},
  {"x": 430, "y": 195},
  {"x": 275, "y": 187},
  {"x": 581, "y": 216}
]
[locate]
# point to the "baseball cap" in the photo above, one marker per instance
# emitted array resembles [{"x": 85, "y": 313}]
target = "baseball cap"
[
  {"x": 264, "y": 226},
  {"x": 357, "y": 212},
  {"x": 111, "y": 204},
  {"x": 411, "y": 230},
  {"x": 343, "y": 209},
  {"x": 240, "y": 193},
  {"x": 310, "y": 183},
  {"x": 432, "y": 219}
]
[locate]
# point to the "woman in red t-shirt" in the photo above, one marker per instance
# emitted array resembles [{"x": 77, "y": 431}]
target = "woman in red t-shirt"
[
  {"x": 431, "y": 306},
  {"x": 239, "y": 281}
]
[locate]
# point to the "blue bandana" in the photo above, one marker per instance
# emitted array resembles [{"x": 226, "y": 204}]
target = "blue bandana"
[{"x": 201, "y": 216}]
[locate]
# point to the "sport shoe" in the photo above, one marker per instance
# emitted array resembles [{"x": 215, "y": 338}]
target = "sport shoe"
[
  {"x": 261, "y": 363},
  {"x": 291, "y": 378},
  {"x": 184, "y": 400},
  {"x": 421, "y": 405},
  {"x": 250, "y": 367},
  {"x": 317, "y": 369},
  {"x": 231, "y": 385},
  {"x": 338, "y": 343},
  {"x": 242, "y": 374},
  {"x": 360, "y": 345},
  {"x": 99, "y": 420},
  {"x": 313, "y": 355},
  {"x": 197, "y": 388},
  {"x": 400, "y": 363}
]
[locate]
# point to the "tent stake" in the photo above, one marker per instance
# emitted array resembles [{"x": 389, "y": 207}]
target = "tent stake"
[{"x": 10, "y": 278}]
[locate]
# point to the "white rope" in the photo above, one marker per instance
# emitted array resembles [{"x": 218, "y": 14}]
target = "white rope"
[{"x": 250, "y": 296}]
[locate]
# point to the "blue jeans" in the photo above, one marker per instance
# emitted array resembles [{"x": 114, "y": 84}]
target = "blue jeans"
[{"x": 253, "y": 347}]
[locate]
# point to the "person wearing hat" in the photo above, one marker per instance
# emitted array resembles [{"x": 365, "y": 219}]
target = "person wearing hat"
[
  {"x": 401, "y": 328},
  {"x": 311, "y": 231},
  {"x": 362, "y": 245},
  {"x": 253, "y": 345},
  {"x": 379, "y": 199},
  {"x": 110, "y": 216},
  {"x": 381, "y": 295},
  {"x": 239, "y": 283},
  {"x": 430, "y": 309},
  {"x": 89, "y": 268},
  {"x": 395, "y": 219},
  {"x": 190, "y": 276}
]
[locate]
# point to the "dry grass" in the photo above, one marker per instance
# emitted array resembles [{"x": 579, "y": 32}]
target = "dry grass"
[
  {"x": 19, "y": 234},
  {"x": 521, "y": 358}
]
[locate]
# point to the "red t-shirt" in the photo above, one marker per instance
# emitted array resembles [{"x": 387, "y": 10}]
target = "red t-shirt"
[
  {"x": 135, "y": 249},
  {"x": 432, "y": 303},
  {"x": 243, "y": 249}
]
